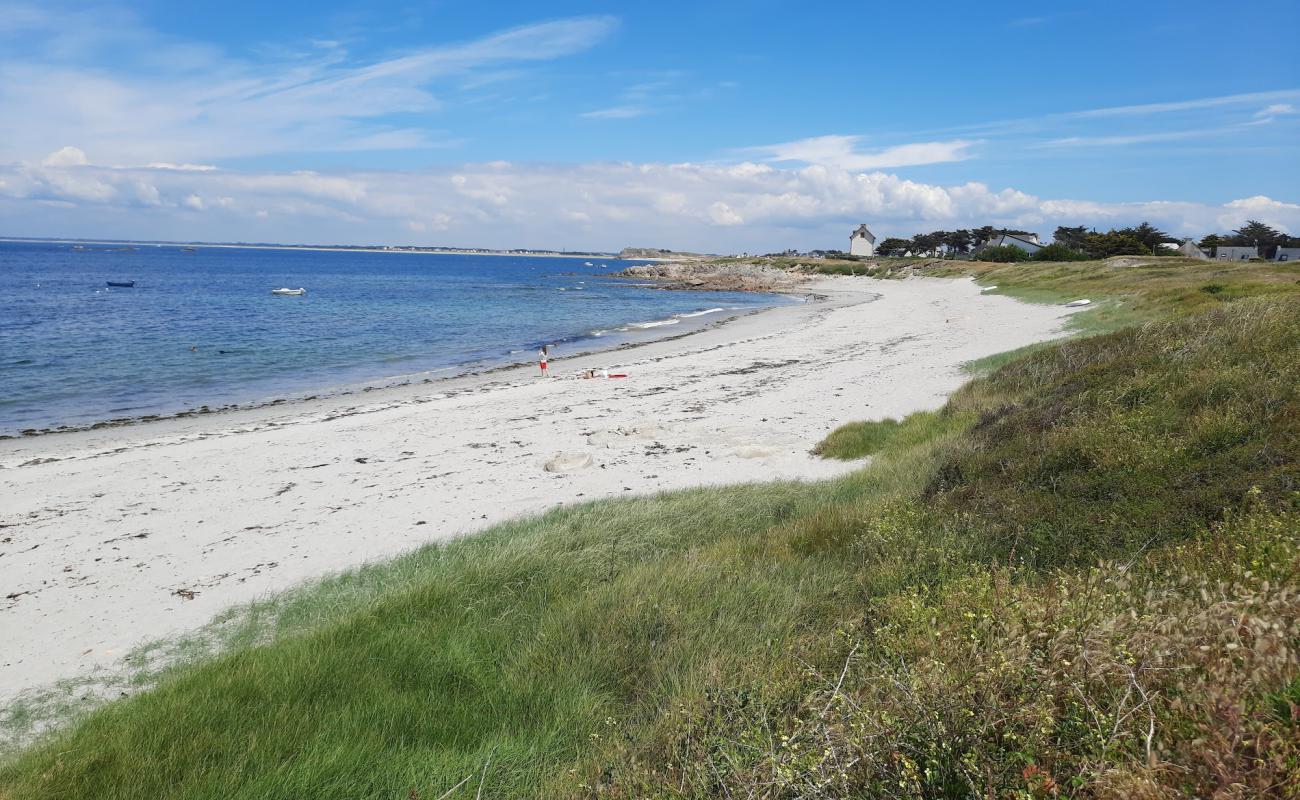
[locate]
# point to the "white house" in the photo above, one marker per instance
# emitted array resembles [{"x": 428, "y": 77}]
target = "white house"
[
  {"x": 862, "y": 242},
  {"x": 1192, "y": 250},
  {"x": 1287, "y": 254},
  {"x": 1236, "y": 253},
  {"x": 1027, "y": 242}
]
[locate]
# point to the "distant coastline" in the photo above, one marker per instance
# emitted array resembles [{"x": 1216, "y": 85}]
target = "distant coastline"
[{"x": 338, "y": 248}]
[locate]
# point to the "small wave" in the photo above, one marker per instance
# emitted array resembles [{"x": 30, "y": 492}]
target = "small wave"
[
  {"x": 655, "y": 324},
  {"x": 701, "y": 313}
]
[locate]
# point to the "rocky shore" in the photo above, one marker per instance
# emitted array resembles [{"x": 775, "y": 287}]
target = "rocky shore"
[{"x": 715, "y": 276}]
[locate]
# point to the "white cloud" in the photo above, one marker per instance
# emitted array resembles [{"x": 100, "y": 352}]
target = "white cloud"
[
  {"x": 842, "y": 152},
  {"x": 65, "y": 157},
  {"x": 180, "y": 167},
  {"x": 746, "y": 206}
]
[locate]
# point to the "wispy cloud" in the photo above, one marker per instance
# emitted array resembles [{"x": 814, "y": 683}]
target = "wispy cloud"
[
  {"x": 656, "y": 92},
  {"x": 1137, "y": 138},
  {"x": 843, "y": 152},
  {"x": 1251, "y": 98},
  {"x": 1269, "y": 114},
  {"x": 616, "y": 112},
  {"x": 208, "y": 105}
]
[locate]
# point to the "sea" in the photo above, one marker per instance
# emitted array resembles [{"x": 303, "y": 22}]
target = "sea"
[{"x": 201, "y": 329}]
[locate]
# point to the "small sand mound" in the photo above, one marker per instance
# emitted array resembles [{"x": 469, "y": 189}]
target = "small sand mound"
[{"x": 568, "y": 462}]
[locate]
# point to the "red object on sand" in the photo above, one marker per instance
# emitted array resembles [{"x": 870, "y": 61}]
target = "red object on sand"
[{"x": 620, "y": 375}]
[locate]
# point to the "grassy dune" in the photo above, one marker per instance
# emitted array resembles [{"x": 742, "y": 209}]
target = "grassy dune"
[{"x": 1080, "y": 578}]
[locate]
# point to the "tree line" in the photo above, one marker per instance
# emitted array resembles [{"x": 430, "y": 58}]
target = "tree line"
[{"x": 1081, "y": 242}]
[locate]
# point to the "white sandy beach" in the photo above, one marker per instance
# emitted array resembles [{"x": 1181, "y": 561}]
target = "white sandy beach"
[{"x": 113, "y": 537}]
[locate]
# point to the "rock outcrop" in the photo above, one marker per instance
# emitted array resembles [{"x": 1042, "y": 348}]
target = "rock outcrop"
[{"x": 714, "y": 276}]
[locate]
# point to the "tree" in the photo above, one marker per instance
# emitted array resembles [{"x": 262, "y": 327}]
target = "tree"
[
  {"x": 893, "y": 246},
  {"x": 1114, "y": 243},
  {"x": 1148, "y": 235},
  {"x": 927, "y": 243},
  {"x": 984, "y": 234},
  {"x": 1257, "y": 234},
  {"x": 1071, "y": 237},
  {"x": 959, "y": 241}
]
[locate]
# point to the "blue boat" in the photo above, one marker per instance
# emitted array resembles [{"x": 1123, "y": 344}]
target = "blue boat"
[{"x": 121, "y": 284}]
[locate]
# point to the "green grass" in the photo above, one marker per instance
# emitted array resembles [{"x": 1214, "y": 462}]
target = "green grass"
[
  {"x": 988, "y": 364},
  {"x": 1095, "y": 542},
  {"x": 861, "y": 439},
  {"x": 1166, "y": 287},
  {"x": 857, "y": 439}
]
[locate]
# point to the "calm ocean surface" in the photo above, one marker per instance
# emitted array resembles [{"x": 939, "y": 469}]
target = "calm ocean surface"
[{"x": 74, "y": 352}]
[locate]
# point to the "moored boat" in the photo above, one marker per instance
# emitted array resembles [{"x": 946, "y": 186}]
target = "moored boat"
[
  {"x": 284, "y": 292},
  {"x": 121, "y": 284}
]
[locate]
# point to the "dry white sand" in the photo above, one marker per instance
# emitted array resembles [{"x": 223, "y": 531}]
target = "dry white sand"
[{"x": 114, "y": 537}]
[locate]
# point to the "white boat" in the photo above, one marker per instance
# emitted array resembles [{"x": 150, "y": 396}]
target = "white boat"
[
  {"x": 588, "y": 264},
  {"x": 289, "y": 292}
]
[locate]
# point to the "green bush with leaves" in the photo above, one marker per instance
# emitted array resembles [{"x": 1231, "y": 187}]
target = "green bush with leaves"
[
  {"x": 1059, "y": 252},
  {"x": 1002, "y": 253}
]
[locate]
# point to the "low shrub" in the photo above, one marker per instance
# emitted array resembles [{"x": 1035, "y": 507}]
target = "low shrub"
[
  {"x": 1170, "y": 677},
  {"x": 1002, "y": 253},
  {"x": 1106, "y": 444},
  {"x": 1059, "y": 252}
]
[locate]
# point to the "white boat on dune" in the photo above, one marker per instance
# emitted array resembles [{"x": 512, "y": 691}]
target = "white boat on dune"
[{"x": 289, "y": 292}]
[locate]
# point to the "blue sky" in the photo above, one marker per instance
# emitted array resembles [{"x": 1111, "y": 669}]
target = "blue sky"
[{"x": 723, "y": 126}]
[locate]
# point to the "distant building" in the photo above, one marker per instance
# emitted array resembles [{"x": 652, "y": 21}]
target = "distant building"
[
  {"x": 1025, "y": 241},
  {"x": 1191, "y": 249},
  {"x": 1287, "y": 254},
  {"x": 1236, "y": 253},
  {"x": 862, "y": 242}
]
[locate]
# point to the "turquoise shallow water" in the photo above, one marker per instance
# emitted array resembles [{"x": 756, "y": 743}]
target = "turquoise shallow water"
[{"x": 74, "y": 352}]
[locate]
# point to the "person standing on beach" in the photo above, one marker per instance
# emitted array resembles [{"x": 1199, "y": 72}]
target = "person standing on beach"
[{"x": 542, "y": 357}]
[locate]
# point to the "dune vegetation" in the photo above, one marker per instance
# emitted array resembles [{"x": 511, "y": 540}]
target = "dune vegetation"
[{"x": 1080, "y": 578}]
